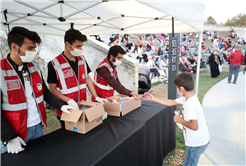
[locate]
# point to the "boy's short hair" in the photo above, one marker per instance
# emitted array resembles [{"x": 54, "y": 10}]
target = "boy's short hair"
[
  {"x": 18, "y": 34},
  {"x": 114, "y": 50},
  {"x": 185, "y": 80},
  {"x": 72, "y": 34}
]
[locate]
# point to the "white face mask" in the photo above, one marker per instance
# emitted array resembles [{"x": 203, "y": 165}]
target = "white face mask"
[
  {"x": 29, "y": 57},
  {"x": 180, "y": 93},
  {"x": 75, "y": 52},
  {"x": 117, "y": 63}
]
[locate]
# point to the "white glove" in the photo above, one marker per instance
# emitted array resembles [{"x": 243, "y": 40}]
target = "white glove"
[
  {"x": 65, "y": 108},
  {"x": 73, "y": 104},
  {"x": 100, "y": 100},
  {"x": 14, "y": 145}
]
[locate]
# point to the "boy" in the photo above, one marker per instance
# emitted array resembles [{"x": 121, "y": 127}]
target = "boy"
[{"x": 195, "y": 129}]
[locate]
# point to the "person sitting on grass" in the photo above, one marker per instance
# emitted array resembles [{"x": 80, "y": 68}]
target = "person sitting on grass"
[
  {"x": 153, "y": 68},
  {"x": 195, "y": 130}
]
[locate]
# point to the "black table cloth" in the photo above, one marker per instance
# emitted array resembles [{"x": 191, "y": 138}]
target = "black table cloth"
[{"x": 142, "y": 137}]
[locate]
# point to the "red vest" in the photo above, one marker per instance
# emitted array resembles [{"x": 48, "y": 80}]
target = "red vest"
[
  {"x": 14, "y": 102},
  {"x": 68, "y": 84},
  {"x": 101, "y": 86}
]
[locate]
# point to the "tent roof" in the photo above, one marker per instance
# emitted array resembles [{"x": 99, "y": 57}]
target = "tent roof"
[{"x": 94, "y": 17}]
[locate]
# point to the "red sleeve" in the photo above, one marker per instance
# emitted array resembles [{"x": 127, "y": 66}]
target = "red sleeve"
[
  {"x": 104, "y": 73},
  {"x": 242, "y": 59}
]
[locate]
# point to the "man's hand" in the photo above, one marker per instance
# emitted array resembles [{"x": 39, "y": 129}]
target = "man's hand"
[
  {"x": 65, "y": 108},
  {"x": 177, "y": 119},
  {"x": 14, "y": 145},
  {"x": 149, "y": 97},
  {"x": 100, "y": 100},
  {"x": 136, "y": 96},
  {"x": 72, "y": 103}
]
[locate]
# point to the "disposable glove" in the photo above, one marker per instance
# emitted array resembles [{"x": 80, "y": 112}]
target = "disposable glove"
[
  {"x": 100, "y": 100},
  {"x": 73, "y": 104},
  {"x": 65, "y": 108},
  {"x": 14, "y": 145}
]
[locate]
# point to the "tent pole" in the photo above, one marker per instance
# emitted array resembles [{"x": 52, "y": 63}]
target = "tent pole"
[
  {"x": 173, "y": 26},
  {"x": 198, "y": 62}
]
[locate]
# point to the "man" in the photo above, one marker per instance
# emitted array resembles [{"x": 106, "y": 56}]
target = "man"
[
  {"x": 106, "y": 77},
  {"x": 23, "y": 92},
  {"x": 116, "y": 40},
  {"x": 153, "y": 68},
  {"x": 68, "y": 73},
  {"x": 236, "y": 61}
]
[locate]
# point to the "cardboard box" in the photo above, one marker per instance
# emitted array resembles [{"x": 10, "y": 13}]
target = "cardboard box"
[
  {"x": 83, "y": 121},
  {"x": 120, "y": 109}
]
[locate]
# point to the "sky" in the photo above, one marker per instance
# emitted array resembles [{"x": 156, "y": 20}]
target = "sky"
[{"x": 221, "y": 10}]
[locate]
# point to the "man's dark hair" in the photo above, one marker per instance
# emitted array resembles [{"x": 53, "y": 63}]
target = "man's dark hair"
[
  {"x": 72, "y": 34},
  {"x": 116, "y": 37},
  {"x": 114, "y": 50},
  {"x": 185, "y": 80},
  {"x": 18, "y": 34}
]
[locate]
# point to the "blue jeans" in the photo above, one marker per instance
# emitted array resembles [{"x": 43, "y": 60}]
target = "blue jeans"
[
  {"x": 193, "y": 154},
  {"x": 234, "y": 68},
  {"x": 155, "y": 72},
  {"x": 34, "y": 132}
]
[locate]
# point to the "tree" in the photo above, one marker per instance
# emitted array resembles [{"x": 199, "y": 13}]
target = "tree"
[
  {"x": 238, "y": 20},
  {"x": 211, "y": 20}
]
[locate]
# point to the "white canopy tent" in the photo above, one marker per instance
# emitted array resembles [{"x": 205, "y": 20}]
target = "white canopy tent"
[{"x": 99, "y": 17}]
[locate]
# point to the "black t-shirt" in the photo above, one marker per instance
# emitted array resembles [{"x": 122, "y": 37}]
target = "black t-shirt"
[{"x": 52, "y": 77}]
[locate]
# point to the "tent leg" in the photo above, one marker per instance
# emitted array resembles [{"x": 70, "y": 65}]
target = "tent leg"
[
  {"x": 173, "y": 26},
  {"x": 198, "y": 63}
]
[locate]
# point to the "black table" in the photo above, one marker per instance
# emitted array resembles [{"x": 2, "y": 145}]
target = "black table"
[{"x": 142, "y": 137}]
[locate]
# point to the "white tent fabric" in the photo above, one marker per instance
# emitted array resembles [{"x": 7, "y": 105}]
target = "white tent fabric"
[
  {"x": 100, "y": 17},
  {"x": 94, "y": 17}
]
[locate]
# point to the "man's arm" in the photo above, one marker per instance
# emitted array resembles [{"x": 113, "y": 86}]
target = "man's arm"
[
  {"x": 50, "y": 98},
  {"x": 104, "y": 73},
  {"x": 91, "y": 86},
  {"x": 53, "y": 82},
  {"x": 6, "y": 131},
  {"x": 151, "y": 67},
  {"x": 58, "y": 94}
]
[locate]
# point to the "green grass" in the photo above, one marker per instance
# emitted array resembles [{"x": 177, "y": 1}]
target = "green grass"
[
  {"x": 52, "y": 122},
  {"x": 156, "y": 84},
  {"x": 206, "y": 83}
]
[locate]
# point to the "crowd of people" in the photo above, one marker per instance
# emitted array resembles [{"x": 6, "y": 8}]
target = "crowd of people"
[
  {"x": 158, "y": 60},
  {"x": 222, "y": 52}
]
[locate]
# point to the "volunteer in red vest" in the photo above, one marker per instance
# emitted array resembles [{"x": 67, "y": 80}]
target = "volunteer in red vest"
[
  {"x": 106, "y": 78},
  {"x": 68, "y": 73},
  {"x": 23, "y": 92}
]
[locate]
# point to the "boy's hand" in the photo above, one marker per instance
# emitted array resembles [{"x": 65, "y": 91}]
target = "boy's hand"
[
  {"x": 149, "y": 97},
  {"x": 177, "y": 119}
]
